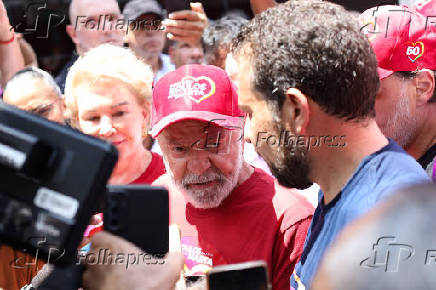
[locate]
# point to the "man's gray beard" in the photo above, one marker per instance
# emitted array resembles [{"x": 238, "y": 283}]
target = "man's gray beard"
[
  {"x": 401, "y": 126},
  {"x": 211, "y": 197}
]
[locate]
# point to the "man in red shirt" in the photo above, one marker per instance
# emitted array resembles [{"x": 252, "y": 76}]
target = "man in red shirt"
[{"x": 228, "y": 211}]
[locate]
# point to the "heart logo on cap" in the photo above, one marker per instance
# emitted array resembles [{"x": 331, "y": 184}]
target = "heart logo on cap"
[
  {"x": 415, "y": 50},
  {"x": 201, "y": 82},
  {"x": 197, "y": 89}
]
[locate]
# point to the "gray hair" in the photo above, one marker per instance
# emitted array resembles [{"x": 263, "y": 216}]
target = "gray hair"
[{"x": 25, "y": 75}]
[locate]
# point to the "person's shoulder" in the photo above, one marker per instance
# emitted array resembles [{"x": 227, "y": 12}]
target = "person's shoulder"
[
  {"x": 395, "y": 168},
  {"x": 291, "y": 205},
  {"x": 389, "y": 169},
  {"x": 281, "y": 196},
  {"x": 387, "y": 172},
  {"x": 394, "y": 159}
]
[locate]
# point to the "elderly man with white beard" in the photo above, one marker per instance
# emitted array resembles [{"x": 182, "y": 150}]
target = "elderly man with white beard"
[{"x": 228, "y": 211}]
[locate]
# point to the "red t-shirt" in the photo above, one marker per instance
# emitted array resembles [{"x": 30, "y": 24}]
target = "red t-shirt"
[
  {"x": 260, "y": 220},
  {"x": 153, "y": 171}
]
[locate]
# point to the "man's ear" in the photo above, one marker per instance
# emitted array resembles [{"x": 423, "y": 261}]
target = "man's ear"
[
  {"x": 425, "y": 86},
  {"x": 71, "y": 31},
  {"x": 295, "y": 110}
]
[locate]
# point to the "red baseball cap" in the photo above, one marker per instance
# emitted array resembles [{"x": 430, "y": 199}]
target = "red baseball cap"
[
  {"x": 195, "y": 92},
  {"x": 402, "y": 39},
  {"x": 426, "y": 7}
]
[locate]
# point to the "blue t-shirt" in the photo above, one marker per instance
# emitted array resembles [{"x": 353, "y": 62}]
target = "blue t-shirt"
[{"x": 376, "y": 177}]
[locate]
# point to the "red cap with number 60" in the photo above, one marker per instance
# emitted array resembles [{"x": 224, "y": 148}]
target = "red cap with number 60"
[{"x": 402, "y": 39}]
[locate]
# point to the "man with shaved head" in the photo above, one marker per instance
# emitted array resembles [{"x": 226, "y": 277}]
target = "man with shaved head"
[
  {"x": 92, "y": 22},
  {"x": 85, "y": 31}
]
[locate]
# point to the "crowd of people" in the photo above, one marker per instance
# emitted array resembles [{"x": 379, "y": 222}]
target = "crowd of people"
[{"x": 242, "y": 121}]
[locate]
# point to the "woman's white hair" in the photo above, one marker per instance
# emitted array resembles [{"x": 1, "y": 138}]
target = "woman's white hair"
[{"x": 108, "y": 62}]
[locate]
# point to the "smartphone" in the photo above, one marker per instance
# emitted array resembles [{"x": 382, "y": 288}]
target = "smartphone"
[
  {"x": 251, "y": 275},
  {"x": 140, "y": 214},
  {"x": 176, "y": 5}
]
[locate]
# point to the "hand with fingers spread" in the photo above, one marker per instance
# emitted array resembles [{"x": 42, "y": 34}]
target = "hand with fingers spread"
[
  {"x": 187, "y": 25},
  {"x": 110, "y": 275}
]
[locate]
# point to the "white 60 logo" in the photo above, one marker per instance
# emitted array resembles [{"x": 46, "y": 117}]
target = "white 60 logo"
[{"x": 413, "y": 50}]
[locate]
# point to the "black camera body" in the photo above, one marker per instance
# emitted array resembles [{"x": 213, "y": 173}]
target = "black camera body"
[{"x": 52, "y": 179}]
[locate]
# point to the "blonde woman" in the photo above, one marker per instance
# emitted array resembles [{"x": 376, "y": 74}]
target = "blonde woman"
[{"x": 108, "y": 95}]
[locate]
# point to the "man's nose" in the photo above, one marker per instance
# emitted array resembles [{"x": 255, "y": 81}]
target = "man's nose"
[
  {"x": 197, "y": 53},
  {"x": 106, "y": 127},
  {"x": 199, "y": 161}
]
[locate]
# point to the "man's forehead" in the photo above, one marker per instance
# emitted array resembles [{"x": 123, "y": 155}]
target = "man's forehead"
[
  {"x": 95, "y": 7},
  {"x": 180, "y": 44},
  {"x": 243, "y": 65},
  {"x": 190, "y": 129}
]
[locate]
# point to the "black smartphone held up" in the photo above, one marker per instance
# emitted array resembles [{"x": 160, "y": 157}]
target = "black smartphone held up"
[
  {"x": 140, "y": 214},
  {"x": 250, "y": 275},
  {"x": 176, "y": 5}
]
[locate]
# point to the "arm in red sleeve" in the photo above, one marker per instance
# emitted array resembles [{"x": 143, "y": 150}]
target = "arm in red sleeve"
[{"x": 287, "y": 256}]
